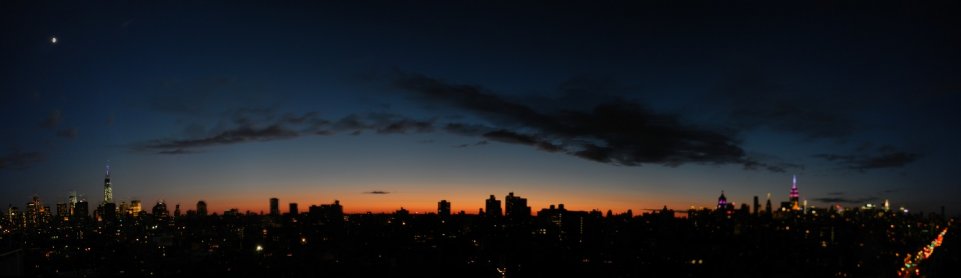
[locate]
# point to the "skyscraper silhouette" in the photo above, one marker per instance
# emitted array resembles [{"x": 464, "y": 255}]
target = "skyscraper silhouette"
[
  {"x": 493, "y": 207},
  {"x": 202, "y": 208},
  {"x": 443, "y": 208},
  {"x": 515, "y": 208},
  {"x": 767, "y": 206},
  {"x": 274, "y": 207}
]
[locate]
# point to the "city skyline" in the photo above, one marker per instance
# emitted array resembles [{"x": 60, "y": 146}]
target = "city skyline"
[
  {"x": 273, "y": 208},
  {"x": 622, "y": 106}
]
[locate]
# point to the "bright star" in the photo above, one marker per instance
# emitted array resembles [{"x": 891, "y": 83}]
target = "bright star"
[{"x": 53, "y": 40}]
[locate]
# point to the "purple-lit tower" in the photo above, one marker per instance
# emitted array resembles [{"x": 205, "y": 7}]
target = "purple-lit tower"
[
  {"x": 794, "y": 195},
  {"x": 722, "y": 202}
]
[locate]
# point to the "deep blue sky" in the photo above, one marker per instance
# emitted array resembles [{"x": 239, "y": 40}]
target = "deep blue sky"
[{"x": 606, "y": 106}]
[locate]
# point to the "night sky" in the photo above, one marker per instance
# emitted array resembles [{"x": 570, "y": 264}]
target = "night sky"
[{"x": 384, "y": 105}]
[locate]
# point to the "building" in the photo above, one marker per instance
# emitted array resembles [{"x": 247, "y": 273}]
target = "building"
[
  {"x": 326, "y": 213},
  {"x": 293, "y": 210},
  {"x": 443, "y": 208},
  {"x": 34, "y": 212},
  {"x": 515, "y": 208},
  {"x": 201, "y": 208},
  {"x": 72, "y": 201},
  {"x": 723, "y": 205},
  {"x": 81, "y": 210},
  {"x": 136, "y": 207},
  {"x": 795, "y": 204},
  {"x": 160, "y": 210},
  {"x": 63, "y": 211},
  {"x": 108, "y": 212},
  {"x": 767, "y": 207},
  {"x": 563, "y": 225},
  {"x": 493, "y": 207},
  {"x": 107, "y": 189},
  {"x": 757, "y": 206},
  {"x": 274, "y": 207}
]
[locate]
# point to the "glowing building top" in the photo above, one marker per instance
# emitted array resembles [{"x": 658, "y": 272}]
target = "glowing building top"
[
  {"x": 107, "y": 190},
  {"x": 794, "y": 195},
  {"x": 722, "y": 201}
]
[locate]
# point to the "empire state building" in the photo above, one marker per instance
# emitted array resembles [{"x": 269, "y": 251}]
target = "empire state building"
[{"x": 107, "y": 191}]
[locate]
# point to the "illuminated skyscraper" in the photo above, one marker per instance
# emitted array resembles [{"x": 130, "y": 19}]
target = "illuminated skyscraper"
[
  {"x": 274, "y": 207},
  {"x": 107, "y": 190},
  {"x": 63, "y": 211},
  {"x": 72, "y": 201},
  {"x": 34, "y": 212},
  {"x": 135, "y": 207},
  {"x": 721, "y": 201},
  {"x": 795, "y": 205}
]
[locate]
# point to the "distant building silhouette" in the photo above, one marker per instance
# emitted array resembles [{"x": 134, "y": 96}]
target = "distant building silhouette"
[
  {"x": 767, "y": 206},
  {"x": 108, "y": 212},
  {"x": 202, "y": 208},
  {"x": 160, "y": 210},
  {"x": 493, "y": 207},
  {"x": 292, "y": 209},
  {"x": 443, "y": 208},
  {"x": 81, "y": 210},
  {"x": 757, "y": 206},
  {"x": 274, "y": 207},
  {"x": 326, "y": 213},
  {"x": 63, "y": 211},
  {"x": 515, "y": 208}
]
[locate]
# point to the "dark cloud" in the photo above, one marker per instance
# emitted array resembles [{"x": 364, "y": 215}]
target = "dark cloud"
[
  {"x": 466, "y": 129},
  {"x": 517, "y": 138},
  {"x": 867, "y": 158},
  {"x": 377, "y": 192},
  {"x": 19, "y": 160},
  {"x": 69, "y": 133},
  {"x": 176, "y": 151},
  {"x": 619, "y": 132},
  {"x": 842, "y": 200},
  {"x": 478, "y": 143},
  {"x": 52, "y": 120},
  {"x": 394, "y": 124},
  {"x": 232, "y": 136},
  {"x": 258, "y": 125}
]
